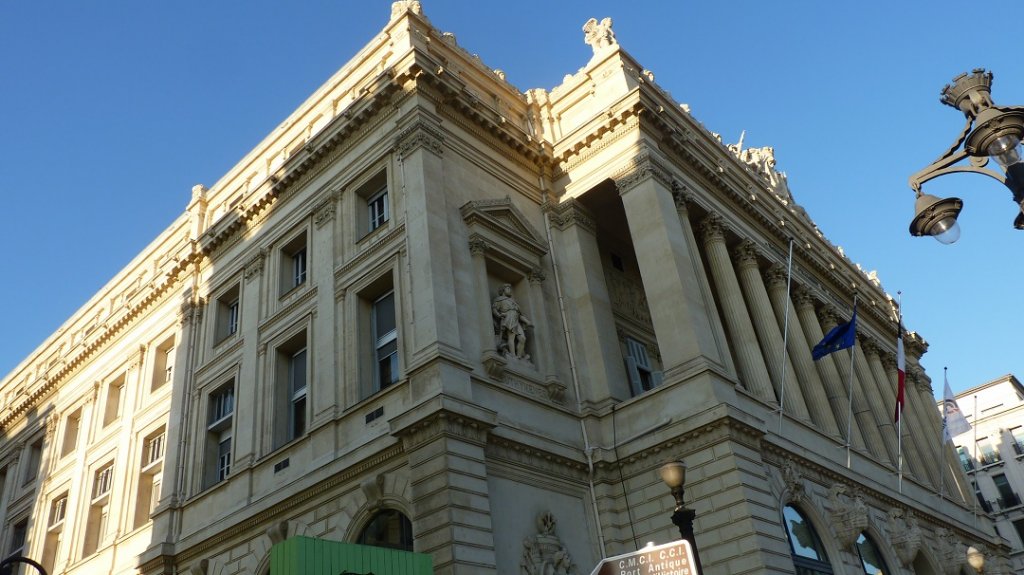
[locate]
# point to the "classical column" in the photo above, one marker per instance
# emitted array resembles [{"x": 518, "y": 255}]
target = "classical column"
[
  {"x": 861, "y": 410},
  {"x": 682, "y": 197},
  {"x": 883, "y": 365},
  {"x": 444, "y": 442},
  {"x": 875, "y": 394},
  {"x": 682, "y": 320},
  {"x": 588, "y": 305},
  {"x": 750, "y": 363},
  {"x": 835, "y": 388},
  {"x": 767, "y": 328},
  {"x": 800, "y": 353}
]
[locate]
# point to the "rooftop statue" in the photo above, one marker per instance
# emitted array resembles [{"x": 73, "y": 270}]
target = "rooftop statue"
[{"x": 599, "y": 35}]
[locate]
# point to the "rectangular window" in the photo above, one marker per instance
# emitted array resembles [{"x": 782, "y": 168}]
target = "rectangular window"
[
  {"x": 642, "y": 377},
  {"x": 219, "y": 434},
  {"x": 102, "y": 481},
  {"x": 965, "y": 458},
  {"x": 1018, "y": 525},
  {"x": 153, "y": 449},
  {"x": 1007, "y": 498},
  {"x": 71, "y": 426},
  {"x": 989, "y": 453},
  {"x": 19, "y": 533},
  {"x": 163, "y": 368},
  {"x": 148, "y": 494},
  {"x": 297, "y": 393},
  {"x": 58, "y": 510},
  {"x": 33, "y": 459},
  {"x": 1018, "y": 440},
  {"x": 377, "y": 209},
  {"x": 385, "y": 341},
  {"x": 227, "y": 314},
  {"x": 294, "y": 264},
  {"x": 115, "y": 398},
  {"x": 291, "y": 389}
]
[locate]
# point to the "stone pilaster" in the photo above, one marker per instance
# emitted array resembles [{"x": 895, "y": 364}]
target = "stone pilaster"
[
  {"x": 768, "y": 333},
  {"x": 683, "y": 320},
  {"x": 750, "y": 363},
  {"x": 800, "y": 353},
  {"x": 834, "y": 385},
  {"x": 445, "y": 442}
]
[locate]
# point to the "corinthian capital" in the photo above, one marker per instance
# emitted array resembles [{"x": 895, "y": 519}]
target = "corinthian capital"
[
  {"x": 712, "y": 229},
  {"x": 746, "y": 254}
]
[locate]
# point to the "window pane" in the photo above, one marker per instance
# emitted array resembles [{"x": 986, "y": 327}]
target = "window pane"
[
  {"x": 388, "y": 528},
  {"x": 802, "y": 537},
  {"x": 297, "y": 372},
  {"x": 870, "y": 556},
  {"x": 384, "y": 315}
]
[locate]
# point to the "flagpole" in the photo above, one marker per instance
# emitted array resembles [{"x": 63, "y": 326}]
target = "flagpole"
[
  {"x": 942, "y": 440},
  {"x": 785, "y": 333},
  {"x": 899, "y": 404},
  {"x": 849, "y": 418}
]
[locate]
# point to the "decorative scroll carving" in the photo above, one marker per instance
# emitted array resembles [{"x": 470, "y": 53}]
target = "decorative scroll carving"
[
  {"x": 419, "y": 135},
  {"x": 793, "y": 480},
  {"x": 849, "y": 515},
  {"x": 254, "y": 266},
  {"x": 544, "y": 553},
  {"x": 571, "y": 213},
  {"x": 712, "y": 229},
  {"x": 643, "y": 168},
  {"x": 477, "y": 246},
  {"x": 324, "y": 212},
  {"x": 905, "y": 535}
]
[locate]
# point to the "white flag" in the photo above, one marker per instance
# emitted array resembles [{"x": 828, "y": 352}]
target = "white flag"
[{"x": 953, "y": 421}]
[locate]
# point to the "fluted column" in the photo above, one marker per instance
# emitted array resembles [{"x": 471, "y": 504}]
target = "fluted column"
[
  {"x": 835, "y": 388},
  {"x": 477, "y": 248},
  {"x": 750, "y": 363},
  {"x": 799, "y": 352},
  {"x": 884, "y": 365},
  {"x": 861, "y": 409},
  {"x": 880, "y": 409},
  {"x": 768, "y": 333}
]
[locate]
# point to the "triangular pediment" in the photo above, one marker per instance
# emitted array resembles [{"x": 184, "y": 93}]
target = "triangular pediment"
[{"x": 499, "y": 221}]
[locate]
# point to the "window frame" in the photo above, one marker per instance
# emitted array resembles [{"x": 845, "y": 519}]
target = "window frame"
[
  {"x": 219, "y": 429},
  {"x": 383, "y": 341}
]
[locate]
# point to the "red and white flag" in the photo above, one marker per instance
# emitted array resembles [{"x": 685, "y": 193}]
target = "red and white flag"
[{"x": 901, "y": 373}]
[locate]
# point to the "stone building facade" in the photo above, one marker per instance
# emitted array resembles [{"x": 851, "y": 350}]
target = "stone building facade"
[
  {"x": 992, "y": 454},
  {"x": 433, "y": 311}
]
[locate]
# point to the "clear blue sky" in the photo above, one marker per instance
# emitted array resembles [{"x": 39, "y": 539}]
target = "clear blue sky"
[{"x": 112, "y": 110}]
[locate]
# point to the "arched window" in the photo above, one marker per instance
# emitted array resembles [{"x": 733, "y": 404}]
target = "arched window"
[
  {"x": 388, "y": 528},
  {"x": 808, "y": 553},
  {"x": 870, "y": 556}
]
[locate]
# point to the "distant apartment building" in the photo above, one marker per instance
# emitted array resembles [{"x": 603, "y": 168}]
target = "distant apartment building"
[
  {"x": 434, "y": 313},
  {"x": 992, "y": 454}
]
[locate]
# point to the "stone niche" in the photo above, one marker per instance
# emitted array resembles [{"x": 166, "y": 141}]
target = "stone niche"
[{"x": 507, "y": 252}]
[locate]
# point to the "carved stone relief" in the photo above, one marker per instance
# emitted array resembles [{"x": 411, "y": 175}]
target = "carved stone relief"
[
  {"x": 849, "y": 514},
  {"x": 905, "y": 535},
  {"x": 599, "y": 35},
  {"x": 544, "y": 553}
]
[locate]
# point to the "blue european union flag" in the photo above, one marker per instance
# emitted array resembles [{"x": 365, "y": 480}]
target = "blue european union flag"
[{"x": 840, "y": 337}]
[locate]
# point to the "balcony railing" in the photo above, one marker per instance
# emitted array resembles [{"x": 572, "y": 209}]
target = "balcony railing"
[
  {"x": 990, "y": 458},
  {"x": 1011, "y": 500}
]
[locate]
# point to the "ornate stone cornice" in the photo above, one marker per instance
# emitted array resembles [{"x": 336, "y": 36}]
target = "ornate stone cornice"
[
  {"x": 419, "y": 135},
  {"x": 642, "y": 168},
  {"x": 254, "y": 267},
  {"x": 571, "y": 212},
  {"x": 445, "y": 424}
]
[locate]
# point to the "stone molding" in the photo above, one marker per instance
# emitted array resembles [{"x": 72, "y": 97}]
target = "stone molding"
[
  {"x": 642, "y": 168},
  {"x": 571, "y": 212},
  {"x": 446, "y": 424},
  {"x": 324, "y": 212},
  {"x": 254, "y": 267},
  {"x": 419, "y": 135}
]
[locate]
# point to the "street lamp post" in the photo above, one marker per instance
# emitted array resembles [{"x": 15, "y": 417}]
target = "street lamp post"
[
  {"x": 976, "y": 559},
  {"x": 673, "y": 474},
  {"x": 991, "y": 131},
  {"x": 7, "y": 565}
]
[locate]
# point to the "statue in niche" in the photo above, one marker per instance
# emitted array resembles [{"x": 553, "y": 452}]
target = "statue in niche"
[
  {"x": 543, "y": 553},
  {"x": 510, "y": 325},
  {"x": 599, "y": 35}
]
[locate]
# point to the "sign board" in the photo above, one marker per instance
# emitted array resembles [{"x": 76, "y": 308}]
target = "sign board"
[{"x": 674, "y": 558}]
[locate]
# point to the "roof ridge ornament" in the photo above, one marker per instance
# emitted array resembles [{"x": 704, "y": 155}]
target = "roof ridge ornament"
[{"x": 599, "y": 35}]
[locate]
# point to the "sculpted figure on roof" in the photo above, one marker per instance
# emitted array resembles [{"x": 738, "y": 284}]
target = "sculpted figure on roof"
[{"x": 599, "y": 35}]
